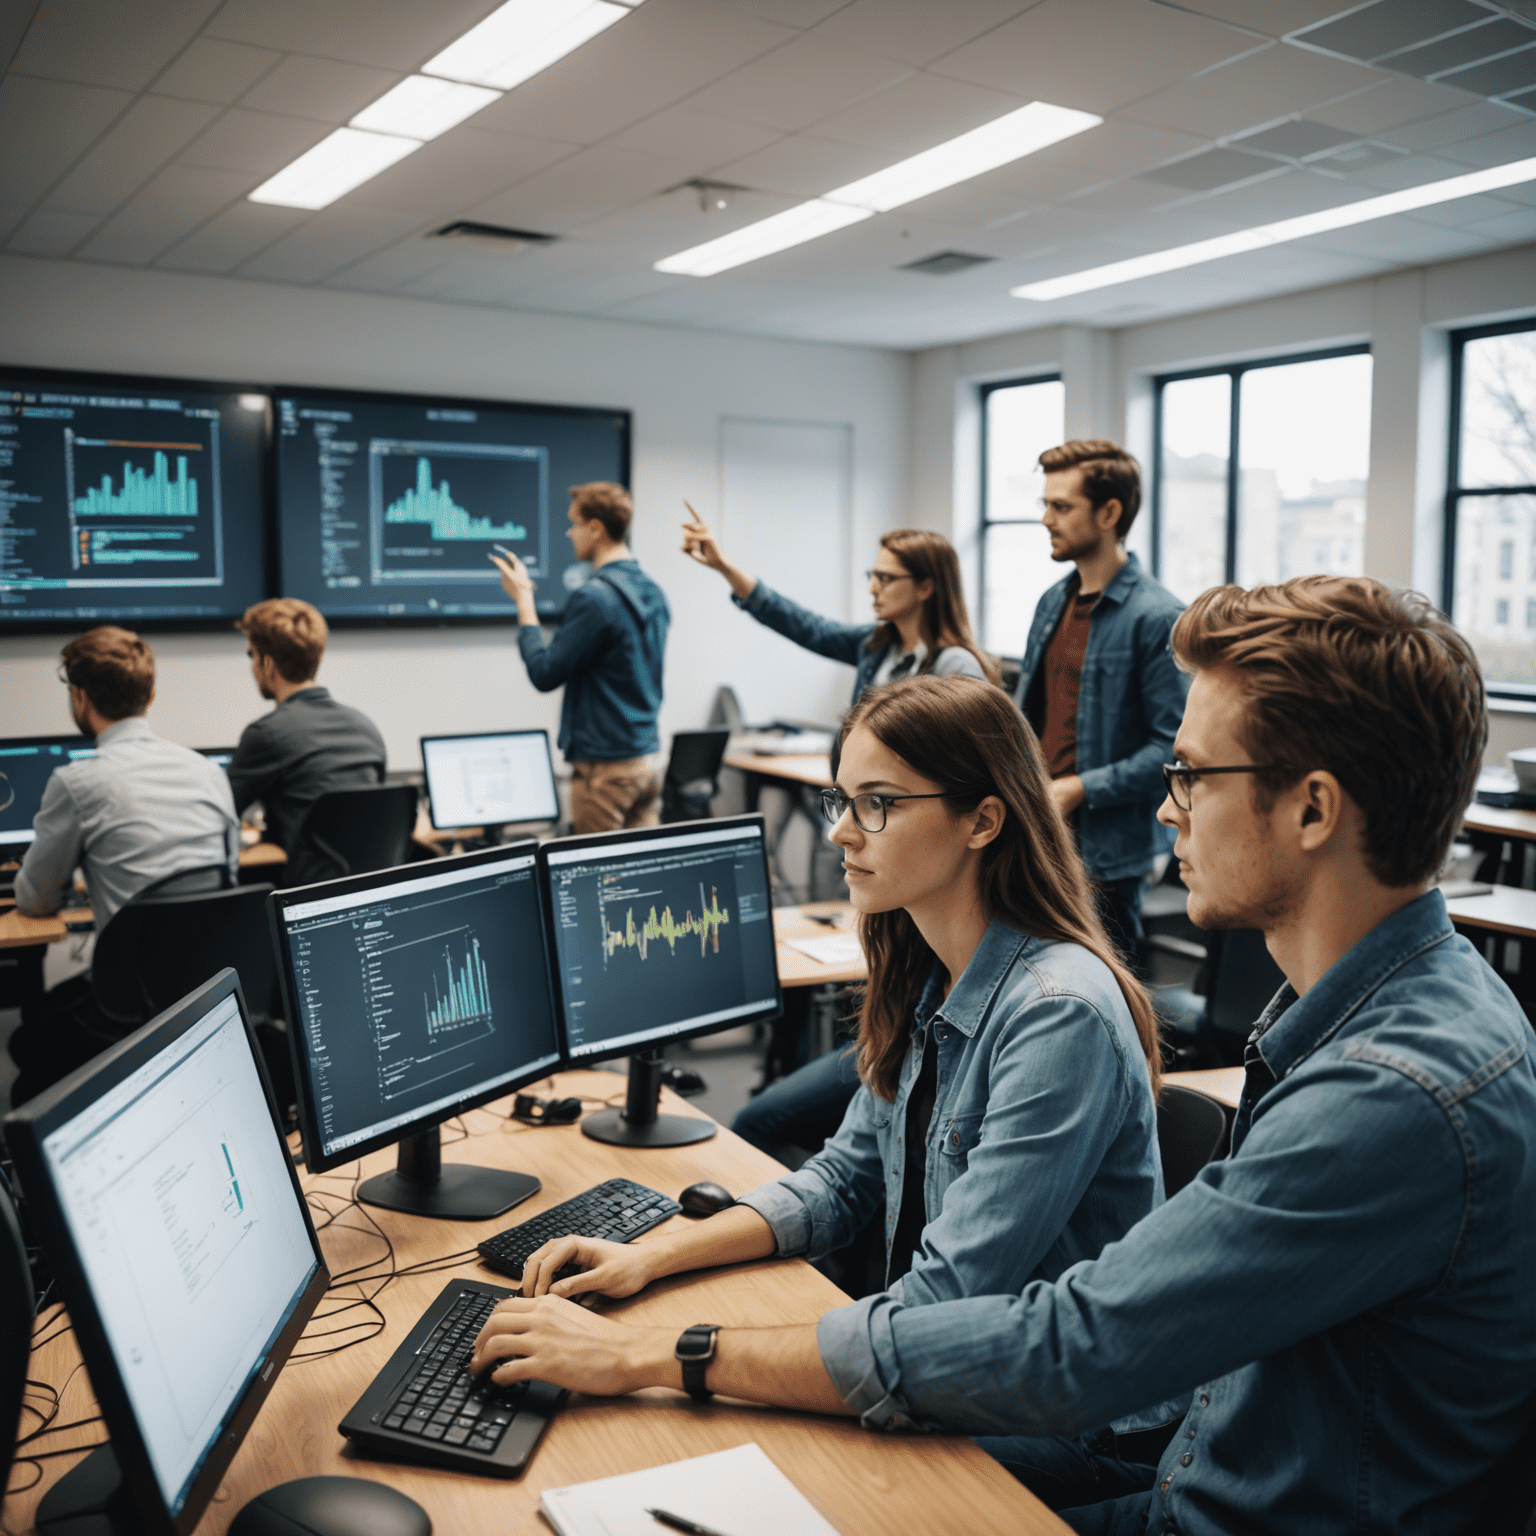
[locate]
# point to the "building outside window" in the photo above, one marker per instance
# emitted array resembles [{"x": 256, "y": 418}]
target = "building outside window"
[
  {"x": 1491, "y": 500},
  {"x": 1290, "y": 500},
  {"x": 1020, "y": 419}
]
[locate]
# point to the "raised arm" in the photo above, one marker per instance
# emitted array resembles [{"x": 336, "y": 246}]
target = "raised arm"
[{"x": 700, "y": 544}]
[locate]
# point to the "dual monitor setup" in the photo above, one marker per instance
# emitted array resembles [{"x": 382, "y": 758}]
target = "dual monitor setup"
[
  {"x": 159, "y": 1182},
  {"x": 178, "y": 504}
]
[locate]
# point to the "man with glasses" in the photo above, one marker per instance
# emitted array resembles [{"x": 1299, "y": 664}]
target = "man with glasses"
[
  {"x": 1348, "y": 1299},
  {"x": 1098, "y": 683}
]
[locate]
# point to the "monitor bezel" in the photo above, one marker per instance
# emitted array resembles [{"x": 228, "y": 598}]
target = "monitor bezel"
[
  {"x": 596, "y": 841},
  {"x": 537, "y": 821},
  {"x": 315, "y": 1159},
  {"x": 9, "y": 840},
  {"x": 345, "y": 620},
  {"x": 25, "y": 1131},
  {"x": 266, "y": 498}
]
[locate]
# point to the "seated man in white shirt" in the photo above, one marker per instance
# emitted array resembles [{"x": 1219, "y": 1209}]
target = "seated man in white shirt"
[{"x": 139, "y": 811}]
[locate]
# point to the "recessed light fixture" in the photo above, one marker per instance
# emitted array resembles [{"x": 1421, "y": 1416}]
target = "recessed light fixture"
[
  {"x": 522, "y": 37},
  {"x": 343, "y": 160},
  {"x": 420, "y": 108},
  {"x": 994, "y": 144},
  {"x": 1281, "y": 232}
]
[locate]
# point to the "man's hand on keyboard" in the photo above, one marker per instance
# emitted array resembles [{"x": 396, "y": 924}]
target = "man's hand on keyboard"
[
  {"x": 613, "y": 1269},
  {"x": 551, "y": 1339}
]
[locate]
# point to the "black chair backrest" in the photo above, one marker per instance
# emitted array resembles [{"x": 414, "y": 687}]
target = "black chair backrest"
[
  {"x": 353, "y": 831},
  {"x": 693, "y": 774},
  {"x": 16, "y": 1306},
  {"x": 726, "y": 710},
  {"x": 159, "y": 947},
  {"x": 1244, "y": 979},
  {"x": 1190, "y": 1127}
]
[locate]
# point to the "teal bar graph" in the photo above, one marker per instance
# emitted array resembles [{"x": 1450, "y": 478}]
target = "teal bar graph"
[
  {"x": 467, "y": 996},
  {"x": 152, "y": 494},
  {"x": 435, "y": 506}
]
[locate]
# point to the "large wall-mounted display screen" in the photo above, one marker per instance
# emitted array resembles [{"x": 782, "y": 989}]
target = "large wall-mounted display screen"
[
  {"x": 389, "y": 506},
  {"x": 136, "y": 502}
]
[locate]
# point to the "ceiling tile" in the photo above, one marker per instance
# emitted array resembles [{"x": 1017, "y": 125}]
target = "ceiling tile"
[
  {"x": 1359, "y": 157},
  {"x": 1467, "y": 122},
  {"x": 387, "y": 270},
  {"x": 318, "y": 88},
  {"x": 1041, "y": 54},
  {"x": 172, "y": 205},
  {"x": 917, "y": 31},
  {"x": 210, "y": 70},
  {"x": 657, "y": 226},
  {"x": 1501, "y": 77},
  {"x": 388, "y": 34},
  {"x": 1120, "y": 149},
  {"x": 11, "y": 214},
  {"x": 118, "y": 45},
  {"x": 915, "y": 114},
  {"x": 578, "y": 189},
  {"x": 1496, "y": 36},
  {"x": 1514, "y": 143},
  {"x": 1275, "y": 83},
  {"x": 135, "y": 147},
  {"x": 802, "y": 166},
  {"x": 1388, "y": 25},
  {"x": 1510, "y": 228},
  {"x": 1294, "y": 193},
  {"x": 683, "y": 134},
  {"x": 1392, "y": 102},
  {"x": 1296, "y": 140},
  {"x": 1406, "y": 241},
  {"x": 1464, "y": 213},
  {"x": 1214, "y": 168},
  {"x": 786, "y": 13},
  {"x": 1274, "y": 18},
  {"x": 232, "y": 237},
  {"x": 257, "y": 142},
  {"x": 51, "y": 232},
  {"x": 327, "y": 241},
  {"x": 459, "y": 170},
  {"x": 1124, "y": 199},
  {"x": 796, "y": 85},
  {"x": 45, "y": 127}
]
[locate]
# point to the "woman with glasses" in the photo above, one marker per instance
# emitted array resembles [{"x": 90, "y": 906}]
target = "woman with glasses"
[
  {"x": 1008, "y": 1058},
  {"x": 921, "y": 626}
]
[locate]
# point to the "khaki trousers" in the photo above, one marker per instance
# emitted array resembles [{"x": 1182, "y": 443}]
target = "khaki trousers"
[{"x": 607, "y": 797}]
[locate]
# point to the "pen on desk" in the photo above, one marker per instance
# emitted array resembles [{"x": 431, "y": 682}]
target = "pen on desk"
[{"x": 692, "y": 1527}]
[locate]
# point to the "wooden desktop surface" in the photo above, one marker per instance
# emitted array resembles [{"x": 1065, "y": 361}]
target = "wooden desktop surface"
[
  {"x": 866, "y": 1484},
  {"x": 1508, "y": 909},
  {"x": 814, "y": 769},
  {"x": 800, "y": 970},
  {"x": 1510, "y": 823},
  {"x": 1222, "y": 1083}
]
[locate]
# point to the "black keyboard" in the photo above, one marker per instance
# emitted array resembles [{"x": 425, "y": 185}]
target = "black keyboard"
[
  {"x": 617, "y": 1210},
  {"x": 425, "y": 1405}
]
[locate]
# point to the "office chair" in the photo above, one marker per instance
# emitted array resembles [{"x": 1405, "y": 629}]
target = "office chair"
[
  {"x": 17, "y": 1305},
  {"x": 1012, "y": 668},
  {"x": 693, "y": 775},
  {"x": 1191, "y": 1127},
  {"x": 1241, "y": 979},
  {"x": 353, "y": 831}
]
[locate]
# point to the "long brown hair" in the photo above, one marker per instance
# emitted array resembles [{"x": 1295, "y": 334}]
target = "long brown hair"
[
  {"x": 967, "y": 737},
  {"x": 931, "y": 557}
]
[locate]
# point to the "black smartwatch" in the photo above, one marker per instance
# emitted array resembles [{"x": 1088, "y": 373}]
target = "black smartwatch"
[{"x": 695, "y": 1350}]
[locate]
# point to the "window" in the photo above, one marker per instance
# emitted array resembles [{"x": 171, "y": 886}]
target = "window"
[
  {"x": 1020, "y": 419},
  {"x": 1292, "y": 501},
  {"x": 1490, "y": 506}
]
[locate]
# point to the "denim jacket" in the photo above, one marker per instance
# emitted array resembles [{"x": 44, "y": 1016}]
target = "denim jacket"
[
  {"x": 1042, "y": 1146},
  {"x": 1128, "y": 712},
  {"x": 1351, "y": 1295},
  {"x": 842, "y": 642}
]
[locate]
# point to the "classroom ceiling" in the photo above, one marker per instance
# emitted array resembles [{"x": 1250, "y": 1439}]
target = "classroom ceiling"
[{"x": 134, "y": 133}]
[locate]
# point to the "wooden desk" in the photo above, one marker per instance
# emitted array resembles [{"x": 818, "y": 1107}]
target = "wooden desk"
[
  {"x": 865, "y": 1484},
  {"x": 814, "y": 769},
  {"x": 1222, "y": 1083},
  {"x": 1508, "y": 910},
  {"x": 18, "y": 931},
  {"x": 262, "y": 856},
  {"x": 1499, "y": 823},
  {"x": 799, "y": 970}
]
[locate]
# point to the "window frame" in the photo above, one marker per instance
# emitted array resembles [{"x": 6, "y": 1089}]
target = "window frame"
[
  {"x": 1525, "y": 693},
  {"x": 983, "y": 393},
  {"x": 1235, "y": 372}
]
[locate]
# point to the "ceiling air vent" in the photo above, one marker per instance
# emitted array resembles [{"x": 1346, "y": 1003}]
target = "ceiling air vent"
[
  {"x": 491, "y": 237},
  {"x": 946, "y": 263}
]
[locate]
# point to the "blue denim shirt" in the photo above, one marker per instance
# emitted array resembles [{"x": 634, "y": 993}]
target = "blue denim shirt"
[
  {"x": 609, "y": 653},
  {"x": 1128, "y": 712},
  {"x": 1352, "y": 1294},
  {"x": 842, "y": 642},
  {"x": 1042, "y": 1146}
]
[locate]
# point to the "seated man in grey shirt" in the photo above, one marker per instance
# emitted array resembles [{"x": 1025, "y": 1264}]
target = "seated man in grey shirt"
[
  {"x": 310, "y": 743},
  {"x": 139, "y": 811}
]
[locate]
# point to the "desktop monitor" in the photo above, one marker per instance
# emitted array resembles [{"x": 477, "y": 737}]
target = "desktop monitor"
[
  {"x": 389, "y": 506},
  {"x": 495, "y": 779},
  {"x": 26, "y": 764},
  {"x": 161, "y": 1188},
  {"x": 413, "y": 994},
  {"x": 129, "y": 501},
  {"x": 659, "y": 935}
]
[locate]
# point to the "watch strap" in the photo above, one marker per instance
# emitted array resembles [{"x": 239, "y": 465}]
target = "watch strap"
[{"x": 695, "y": 1349}]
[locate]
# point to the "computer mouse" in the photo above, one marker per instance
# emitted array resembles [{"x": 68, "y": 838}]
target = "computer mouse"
[
  {"x": 683, "y": 1081},
  {"x": 331, "y": 1506},
  {"x": 704, "y": 1200}
]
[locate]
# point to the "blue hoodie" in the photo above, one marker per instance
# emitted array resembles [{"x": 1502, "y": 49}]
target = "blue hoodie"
[{"x": 608, "y": 652}]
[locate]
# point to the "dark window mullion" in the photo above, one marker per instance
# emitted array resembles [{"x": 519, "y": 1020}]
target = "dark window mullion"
[{"x": 1234, "y": 426}]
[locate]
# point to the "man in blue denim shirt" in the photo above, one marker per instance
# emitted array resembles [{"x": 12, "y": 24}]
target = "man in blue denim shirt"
[
  {"x": 1099, "y": 684},
  {"x": 1351, "y": 1296}
]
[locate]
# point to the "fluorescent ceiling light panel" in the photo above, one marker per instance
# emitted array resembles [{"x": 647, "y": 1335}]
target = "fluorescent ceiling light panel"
[
  {"x": 420, "y": 108},
  {"x": 1279, "y": 233},
  {"x": 521, "y": 38},
  {"x": 999, "y": 142},
  {"x": 346, "y": 159}
]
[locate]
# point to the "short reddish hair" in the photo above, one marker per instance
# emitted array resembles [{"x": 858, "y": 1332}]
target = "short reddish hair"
[
  {"x": 290, "y": 631},
  {"x": 1367, "y": 681},
  {"x": 1109, "y": 474},
  {"x": 608, "y": 503},
  {"x": 113, "y": 668}
]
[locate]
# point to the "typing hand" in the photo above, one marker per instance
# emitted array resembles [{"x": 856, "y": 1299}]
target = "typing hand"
[
  {"x": 515, "y": 580},
  {"x": 612, "y": 1269},
  {"x": 701, "y": 544},
  {"x": 551, "y": 1339}
]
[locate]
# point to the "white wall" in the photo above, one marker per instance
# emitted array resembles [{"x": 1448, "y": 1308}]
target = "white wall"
[{"x": 678, "y": 384}]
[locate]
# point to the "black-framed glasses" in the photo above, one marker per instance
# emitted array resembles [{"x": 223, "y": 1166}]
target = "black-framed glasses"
[
  {"x": 1178, "y": 777},
  {"x": 868, "y": 809},
  {"x": 885, "y": 578}
]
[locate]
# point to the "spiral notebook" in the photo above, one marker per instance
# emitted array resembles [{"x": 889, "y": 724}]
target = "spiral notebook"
[{"x": 738, "y": 1492}]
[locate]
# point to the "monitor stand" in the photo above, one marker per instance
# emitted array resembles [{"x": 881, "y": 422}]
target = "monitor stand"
[
  {"x": 639, "y": 1124},
  {"x": 91, "y": 1499},
  {"x": 422, "y": 1186}
]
